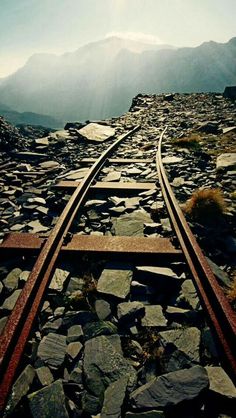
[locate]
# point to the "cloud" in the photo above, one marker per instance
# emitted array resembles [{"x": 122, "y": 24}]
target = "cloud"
[{"x": 137, "y": 36}]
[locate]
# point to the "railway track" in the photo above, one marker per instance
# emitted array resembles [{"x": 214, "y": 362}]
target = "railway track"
[{"x": 61, "y": 242}]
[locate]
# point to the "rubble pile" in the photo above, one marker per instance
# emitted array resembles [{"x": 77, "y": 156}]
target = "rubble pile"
[{"x": 115, "y": 338}]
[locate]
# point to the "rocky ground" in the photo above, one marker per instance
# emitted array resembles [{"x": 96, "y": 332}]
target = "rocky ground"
[{"x": 119, "y": 339}]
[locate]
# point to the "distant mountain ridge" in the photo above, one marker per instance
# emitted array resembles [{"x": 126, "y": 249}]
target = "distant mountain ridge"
[
  {"x": 28, "y": 118},
  {"x": 100, "y": 79}
]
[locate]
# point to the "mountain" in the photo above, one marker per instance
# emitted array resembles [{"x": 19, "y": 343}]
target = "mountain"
[
  {"x": 100, "y": 79},
  {"x": 28, "y": 118}
]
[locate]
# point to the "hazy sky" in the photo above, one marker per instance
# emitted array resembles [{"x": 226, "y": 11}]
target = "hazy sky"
[{"x": 30, "y": 26}]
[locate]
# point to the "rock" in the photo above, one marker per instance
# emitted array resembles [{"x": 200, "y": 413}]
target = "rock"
[
  {"x": 36, "y": 227},
  {"x": 166, "y": 225},
  {"x": 131, "y": 225},
  {"x": 178, "y": 182},
  {"x": 209, "y": 127},
  {"x": 12, "y": 280},
  {"x": 59, "y": 279},
  {"x": 186, "y": 340},
  {"x": 129, "y": 310},
  {"x": 226, "y": 161},
  {"x": 44, "y": 376},
  {"x": 103, "y": 365},
  {"x": 49, "y": 402},
  {"x": 77, "y": 376},
  {"x": 93, "y": 329},
  {"x": 21, "y": 387},
  {"x": 163, "y": 272},
  {"x": 220, "y": 383},
  {"x": 52, "y": 326},
  {"x": 170, "y": 389},
  {"x": 74, "y": 333},
  {"x": 147, "y": 414},
  {"x": 10, "y": 302},
  {"x": 220, "y": 274},
  {"x": 154, "y": 317},
  {"x": 115, "y": 280},
  {"x": 230, "y": 92},
  {"x": 52, "y": 349},
  {"x": 172, "y": 160},
  {"x": 189, "y": 294},
  {"x": 3, "y": 322},
  {"x": 73, "y": 350},
  {"x": 102, "y": 308},
  {"x": 96, "y": 133},
  {"x": 114, "y": 398},
  {"x": 113, "y": 176}
]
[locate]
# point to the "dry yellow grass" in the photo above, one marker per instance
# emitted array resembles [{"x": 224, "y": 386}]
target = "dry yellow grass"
[
  {"x": 231, "y": 293},
  {"x": 192, "y": 142},
  {"x": 205, "y": 205}
]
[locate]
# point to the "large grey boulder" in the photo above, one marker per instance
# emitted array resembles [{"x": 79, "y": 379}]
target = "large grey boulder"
[{"x": 171, "y": 389}]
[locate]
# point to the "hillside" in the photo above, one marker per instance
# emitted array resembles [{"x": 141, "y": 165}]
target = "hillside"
[{"x": 100, "y": 79}]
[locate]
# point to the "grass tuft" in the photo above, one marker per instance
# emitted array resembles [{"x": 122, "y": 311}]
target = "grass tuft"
[
  {"x": 206, "y": 205},
  {"x": 191, "y": 142},
  {"x": 231, "y": 293}
]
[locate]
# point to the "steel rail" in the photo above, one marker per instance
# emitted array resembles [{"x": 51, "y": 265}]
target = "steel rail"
[
  {"x": 19, "y": 325},
  {"x": 221, "y": 316}
]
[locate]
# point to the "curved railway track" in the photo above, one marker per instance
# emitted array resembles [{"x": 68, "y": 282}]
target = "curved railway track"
[{"x": 19, "y": 326}]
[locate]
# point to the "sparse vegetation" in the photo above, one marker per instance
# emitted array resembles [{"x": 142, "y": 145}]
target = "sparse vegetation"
[
  {"x": 231, "y": 293},
  {"x": 206, "y": 205},
  {"x": 191, "y": 142}
]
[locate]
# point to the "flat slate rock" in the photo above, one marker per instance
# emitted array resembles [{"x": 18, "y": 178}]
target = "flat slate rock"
[
  {"x": 171, "y": 389},
  {"x": 128, "y": 310},
  {"x": 116, "y": 280},
  {"x": 21, "y": 387},
  {"x": 189, "y": 294},
  {"x": 12, "y": 280},
  {"x": 154, "y": 317},
  {"x": 103, "y": 365},
  {"x": 172, "y": 160},
  {"x": 226, "y": 161},
  {"x": 114, "y": 398},
  {"x": 44, "y": 376},
  {"x": 96, "y": 132},
  {"x": 52, "y": 349},
  {"x": 49, "y": 402},
  {"x": 58, "y": 279},
  {"x": 10, "y": 302},
  {"x": 159, "y": 271},
  {"x": 220, "y": 383},
  {"x": 186, "y": 340},
  {"x": 131, "y": 225}
]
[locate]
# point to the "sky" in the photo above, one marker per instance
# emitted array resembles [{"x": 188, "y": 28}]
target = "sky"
[{"x": 58, "y": 26}]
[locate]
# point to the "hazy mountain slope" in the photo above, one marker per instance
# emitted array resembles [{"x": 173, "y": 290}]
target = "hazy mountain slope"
[
  {"x": 100, "y": 79},
  {"x": 30, "y": 118}
]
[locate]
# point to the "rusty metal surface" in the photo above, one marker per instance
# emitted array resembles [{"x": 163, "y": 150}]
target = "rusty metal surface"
[
  {"x": 106, "y": 186},
  {"x": 221, "y": 316},
  {"x": 109, "y": 245},
  {"x": 18, "y": 327},
  {"x": 119, "y": 160}
]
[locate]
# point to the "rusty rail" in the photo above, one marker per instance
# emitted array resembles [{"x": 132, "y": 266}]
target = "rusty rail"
[
  {"x": 221, "y": 316},
  {"x": 19, "y": 325}
]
